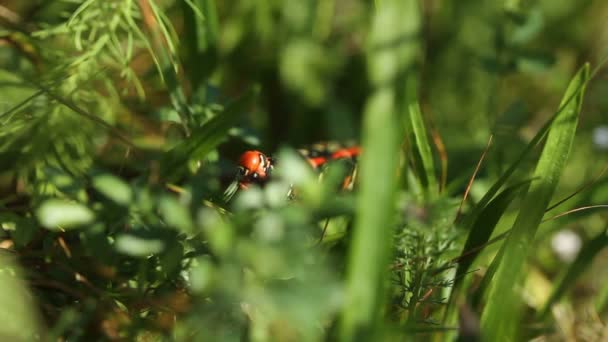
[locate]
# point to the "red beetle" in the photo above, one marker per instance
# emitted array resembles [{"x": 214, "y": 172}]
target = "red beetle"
[
  {"x": 349, "y": 152},
  {"x": 255, "y": 167}
]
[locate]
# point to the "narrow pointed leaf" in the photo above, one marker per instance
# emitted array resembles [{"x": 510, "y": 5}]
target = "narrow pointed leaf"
[
  {"x": 501, "y": 313},
  {"x": 484, "y": 227},
  {"x": 566, "y": 101},
  {"x": 424, "y": 148}
]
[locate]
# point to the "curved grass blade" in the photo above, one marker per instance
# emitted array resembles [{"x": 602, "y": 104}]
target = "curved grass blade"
[
  {"x": 478, "y": 238},
  {"x": 230, "y": 190},
  {"x": 502, "y": 312},
  {"x": 566, "y": 103},
  {"x": 484, "y": 227}
]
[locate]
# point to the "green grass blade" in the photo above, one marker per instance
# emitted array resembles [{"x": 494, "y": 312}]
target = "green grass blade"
[
  {"x": 373, "y": 231},
  {"x": 568, "y": 278},
  {"x": 601, "y": 299},
  {"x": 392, "y": 47},
  {"x": 478, "y": 237},
  {"x": 483, "y": 288},
  {"x": 501, "y": 314},
  {"x": 517, "y": 162},
  {"x": 205, "y": 138},
  {"x": 484, "y": 227},
  {"x": 162, "y": 48},
  {"x": 424, "y": 148},
  {"x": 201, "y": 37}
]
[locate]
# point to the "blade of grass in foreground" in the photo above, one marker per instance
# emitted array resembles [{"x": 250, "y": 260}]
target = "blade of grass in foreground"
[
  {"x": 392, "y": 50},
  {"x": 373, "y": 230},
  {"x": 501, "y": 314}
]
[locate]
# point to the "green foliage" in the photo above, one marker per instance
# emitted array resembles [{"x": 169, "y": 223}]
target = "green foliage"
[
  {"x": 502, "y": 300},
  {"x": 121, "y": 216},
  {"x": 18, "y": 309},
  {"x": 424, "y": 148}
]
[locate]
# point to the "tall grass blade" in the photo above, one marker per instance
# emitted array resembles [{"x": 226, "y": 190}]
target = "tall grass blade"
[
  {"x": 392, "y": 50},
  {"x": 371, "y": 245},
  {"x": 478, "y": 237},
  {"x": 168, "y": 64},
  {"x": 484, "y": 227},
  {"x": 424, "y": 148},
  {"x": 501, "y": 314},
  {"x": 566, "y": 102},
  {"x": 202, "y": 30}
]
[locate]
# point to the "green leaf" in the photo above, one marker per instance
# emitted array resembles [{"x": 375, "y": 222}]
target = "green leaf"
[
  {"x": 501, "y": 314},
  {"x": 23, "y": 229},
  {"x": 61, "y": 214},
  {"x": 172, "y": 257},
  {"x": 482, "y": 230},
  {"x": 175, "y": 214},
  {"x": 424, "y": 148},
  {"x": 478, "y": 237},
  {"x": 200, "y": 39},
  {"x": 515, "y": 165},
  {"x": 137, "y": 246},
  {"x": 20, "y": 321},
  {"x": 162, "y": 47},
  {"x": 114, "y": 188},
  {"x": 202, "y": 274}
]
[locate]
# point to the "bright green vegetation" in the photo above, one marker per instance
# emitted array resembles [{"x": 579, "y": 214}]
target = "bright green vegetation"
[{"x": 120, "y": 125}]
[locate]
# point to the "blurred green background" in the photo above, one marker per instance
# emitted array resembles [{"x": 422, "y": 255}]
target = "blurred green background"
[{"x": 122, "y": 120}]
